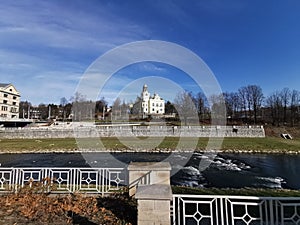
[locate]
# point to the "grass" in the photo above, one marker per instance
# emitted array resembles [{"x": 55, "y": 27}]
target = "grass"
[
  {"x": 37, "y": 144},
  {"x": 268, "y": 144},
  {"x": 261, "y": 144}
]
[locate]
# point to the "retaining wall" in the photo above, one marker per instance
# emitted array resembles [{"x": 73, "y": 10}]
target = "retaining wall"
[{"x": 127, "y": 131}]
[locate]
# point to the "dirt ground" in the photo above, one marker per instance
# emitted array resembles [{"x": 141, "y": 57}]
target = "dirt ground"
[{"x": 273, "y": 131}]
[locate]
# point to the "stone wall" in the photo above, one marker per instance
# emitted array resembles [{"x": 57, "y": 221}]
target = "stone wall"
[{"x": 127, "y": 131}]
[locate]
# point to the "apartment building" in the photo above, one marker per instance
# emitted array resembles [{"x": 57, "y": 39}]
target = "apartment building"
[{"x": 9, "y": 102}]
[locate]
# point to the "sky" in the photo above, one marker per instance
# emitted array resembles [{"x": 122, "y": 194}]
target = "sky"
[{"x": 46, "y": 47}]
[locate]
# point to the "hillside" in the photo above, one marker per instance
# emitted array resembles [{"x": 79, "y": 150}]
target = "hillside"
[{"x": 273, "y": 131}]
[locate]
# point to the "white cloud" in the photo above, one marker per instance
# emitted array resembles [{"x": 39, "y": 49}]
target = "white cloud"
[
  {"x": 54, "y": 25},
  {"x": 42, "y": 45}
]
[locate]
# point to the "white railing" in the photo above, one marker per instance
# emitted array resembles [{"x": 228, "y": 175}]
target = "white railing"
[
  {"x": 234, "y": 210},
  {"x": 63, "y": 180}
]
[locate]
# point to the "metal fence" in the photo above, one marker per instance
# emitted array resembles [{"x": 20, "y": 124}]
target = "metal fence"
[
  {"x": 63, "y": 180},
  {"x": 234, "y": 210}
]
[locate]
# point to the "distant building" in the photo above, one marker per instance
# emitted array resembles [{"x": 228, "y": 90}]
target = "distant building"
[
  {"x": 149, "y": 105},
  {"x": 9, "y": 102}
]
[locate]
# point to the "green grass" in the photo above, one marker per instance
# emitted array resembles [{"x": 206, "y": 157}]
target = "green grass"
[
  {"x": 261, "y": 144},
  {"x": 268, "y": 144},
  {"x": 37, "y": 144}
]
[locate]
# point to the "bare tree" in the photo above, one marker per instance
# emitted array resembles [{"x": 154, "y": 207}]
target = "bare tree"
[
  {"x": 295, "y": 104},
  {"x": 285, "y": 95},
  {"x": 242, "y": 93},
  {"x": 218, "y": 108},
  {"x": 24, "y": 109},
  {"x": 275, "y": 104},
  {"x": 201, "y": 104},
  {"x": 257, "y": 98},
  {"x": 186, "y": 108},
  {"x": 251, "y": 98},
  {"x": 82, "y": 108}
]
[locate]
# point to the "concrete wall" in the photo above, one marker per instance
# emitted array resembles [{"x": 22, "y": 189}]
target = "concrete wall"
[
  {"x": 127, "y": 131},
  {"x": 154, "y": 204}
]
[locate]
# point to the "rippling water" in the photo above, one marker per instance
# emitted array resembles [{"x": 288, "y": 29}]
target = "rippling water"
[{"x": 225, "y": 170}]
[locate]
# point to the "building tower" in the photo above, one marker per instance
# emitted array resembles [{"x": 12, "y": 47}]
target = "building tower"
[{"x": 145, "y": 100}]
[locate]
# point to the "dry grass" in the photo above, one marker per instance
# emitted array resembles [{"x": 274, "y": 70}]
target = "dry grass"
[
  {"x": 33, "y": 206},
  {"x": 273, "y": 144}
]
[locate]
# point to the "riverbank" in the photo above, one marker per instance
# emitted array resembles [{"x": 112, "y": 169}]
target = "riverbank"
[{"x": 268, "y": 145}]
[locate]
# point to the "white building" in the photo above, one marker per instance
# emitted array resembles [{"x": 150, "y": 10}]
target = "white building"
[
  {"x": 149, "y": 105},
  {"x": 9, "y": 102}
]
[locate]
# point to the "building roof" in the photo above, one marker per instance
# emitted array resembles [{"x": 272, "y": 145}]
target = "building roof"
[{"x": 3, "y": 85}]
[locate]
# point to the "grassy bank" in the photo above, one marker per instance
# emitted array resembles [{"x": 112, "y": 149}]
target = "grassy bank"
[{"x": 259, "y": 145}]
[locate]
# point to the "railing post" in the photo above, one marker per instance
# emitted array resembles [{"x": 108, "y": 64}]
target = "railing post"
[
  {"x": 154, "y": 204},
  {"x": 150, "y": 172},
  {"x": 150, "y": 182}
]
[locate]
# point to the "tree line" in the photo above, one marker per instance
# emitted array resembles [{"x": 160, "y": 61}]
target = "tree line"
[
  {"x": 65, "y": 110},
  {"x": 247, "y": 105}
]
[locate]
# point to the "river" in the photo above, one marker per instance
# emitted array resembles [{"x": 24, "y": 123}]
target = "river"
[{"x": 224, "y": 170}]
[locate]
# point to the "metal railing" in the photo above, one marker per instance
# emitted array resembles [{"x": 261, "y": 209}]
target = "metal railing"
[
  {"x": 234, "y": 210},
  {"x": 63, "y": 180}
]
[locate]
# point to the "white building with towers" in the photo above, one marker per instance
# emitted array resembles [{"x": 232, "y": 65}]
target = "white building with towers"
[{"x": 146, "y": 104}]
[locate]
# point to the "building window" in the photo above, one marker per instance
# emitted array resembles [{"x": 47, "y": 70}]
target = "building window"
[
  {"x": 152, "y": 104},
  {"x": 4, "y": 108},
  {"x": 153, "y": 109},
  {"x": 5, "y": 101},
  {"x": 14, "y": 103},
  {"x": 10, "y": 89},
  {"x": 13, "y": 110},
  {"x": 15, "y": 97},
  {"x": 5, "y": 95}
]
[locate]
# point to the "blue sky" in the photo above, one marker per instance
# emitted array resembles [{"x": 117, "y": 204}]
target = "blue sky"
[{"x": 46, "y": 46}]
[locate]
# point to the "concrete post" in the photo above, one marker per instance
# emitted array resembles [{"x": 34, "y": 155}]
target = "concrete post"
[
  {"x": 154, "y": 204},
  {"x": 148, "y": 173}
]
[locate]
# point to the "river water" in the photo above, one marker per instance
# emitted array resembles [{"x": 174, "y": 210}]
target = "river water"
[{"x": 224, "y": 170}]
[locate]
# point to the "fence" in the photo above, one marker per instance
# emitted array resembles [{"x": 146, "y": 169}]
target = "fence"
[
  {"x": 234, "y": 210},
  {"x": 63, "y": 180}
]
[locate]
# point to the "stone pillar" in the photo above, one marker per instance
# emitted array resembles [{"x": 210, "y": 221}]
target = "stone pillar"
[
  {"x": 148, "y": 173},
  {"x": 154, "y": 204}
]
